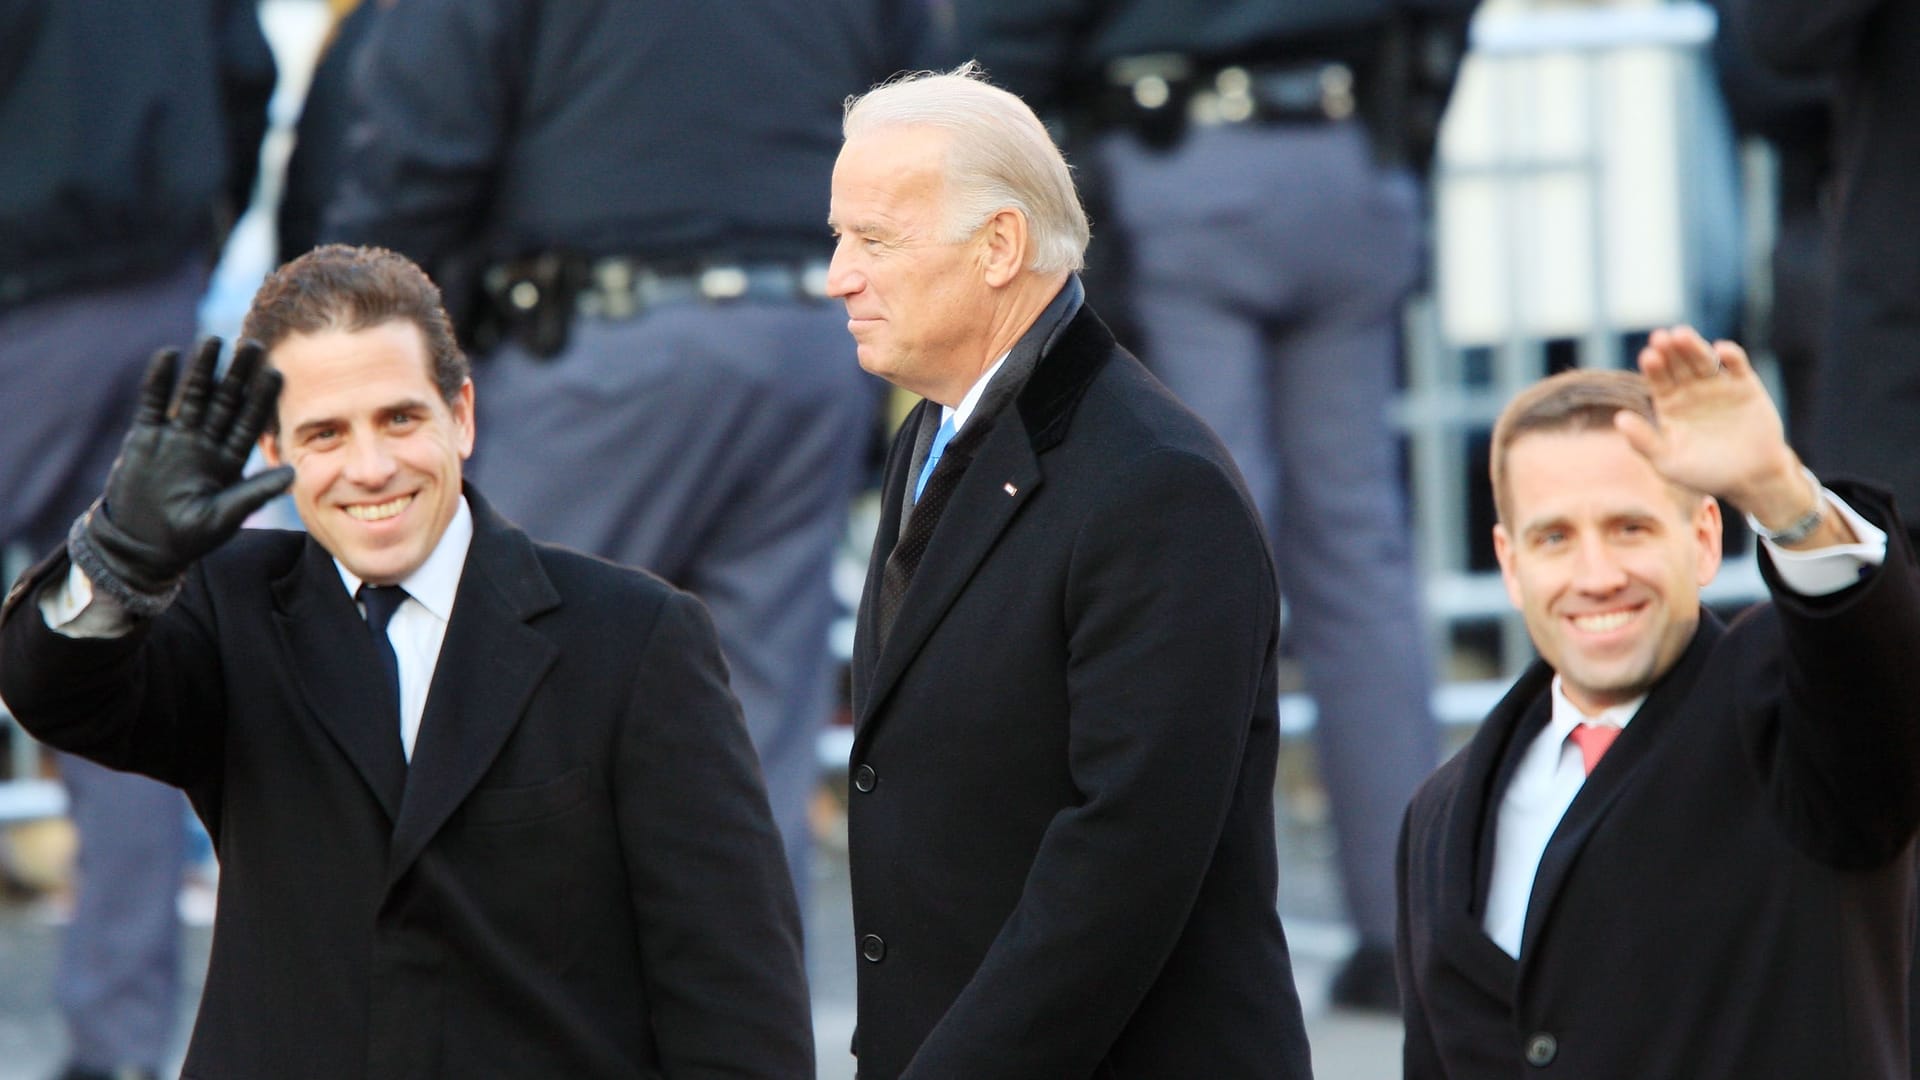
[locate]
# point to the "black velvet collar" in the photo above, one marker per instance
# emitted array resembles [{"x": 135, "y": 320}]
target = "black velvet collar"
[{"x": 1061, "y": 378}]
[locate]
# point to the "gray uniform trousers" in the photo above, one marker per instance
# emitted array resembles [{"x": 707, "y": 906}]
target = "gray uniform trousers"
[
  {"x": 716, "y": 445},
  {"x": 1269, "y": 264},
  {"x": 70, "y": 368},
  {"x": 118, "y": 980}
]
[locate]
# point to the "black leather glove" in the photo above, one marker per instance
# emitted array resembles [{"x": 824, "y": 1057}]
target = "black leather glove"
[{"x": 175, "y": 492}]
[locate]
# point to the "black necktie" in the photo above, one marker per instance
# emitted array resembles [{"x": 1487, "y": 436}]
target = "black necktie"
[
  {"x": 381, "y": 602},
  {"x": 904, "y": 560}
]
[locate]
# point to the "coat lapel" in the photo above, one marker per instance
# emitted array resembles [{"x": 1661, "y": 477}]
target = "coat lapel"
[
  {"x": 1612, "y": 777},
  {"x": 1002, "y": 478},
  {"x": 893, "y": 495},
  {"x": 1465, "y": 832},
  {"x": 337, "y": 673},
  {"x": 490, "y": 664}
]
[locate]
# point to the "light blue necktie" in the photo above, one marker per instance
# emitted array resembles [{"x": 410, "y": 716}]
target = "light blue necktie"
[{"x": 940, "y": 440}]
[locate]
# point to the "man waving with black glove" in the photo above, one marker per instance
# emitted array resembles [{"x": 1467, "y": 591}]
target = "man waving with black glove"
[
  {"x": 482, "y": 806},
  {"x": 175, "y": 491}
]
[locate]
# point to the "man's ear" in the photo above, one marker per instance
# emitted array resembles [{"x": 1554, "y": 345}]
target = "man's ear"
[
  {"x": 1509, "y": 574},
  {"x": 1005, "y": 237},
  {"x": 462, "y": 409},
  {"x": 270, "y": 448},
  {"x": 1709, "y": 535}
]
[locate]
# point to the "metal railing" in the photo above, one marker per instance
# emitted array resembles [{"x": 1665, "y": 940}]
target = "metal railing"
[
  {"x": 1568, "y": 208},
  {"x": 24, "y": 795}
]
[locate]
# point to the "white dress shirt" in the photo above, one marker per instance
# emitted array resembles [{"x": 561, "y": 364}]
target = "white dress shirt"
[
  {"x": 418, "y": 627},
  {"x": 1543, "y": 786},
  {"x": 419, "y": 624},
  {"x": 959, "y": 415},
  {"x": 1550, "y": 771}
]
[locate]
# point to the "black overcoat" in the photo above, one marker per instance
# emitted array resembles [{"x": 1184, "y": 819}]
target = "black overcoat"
[
  {"x": 1061, "y": 823},
  {"x": 576, "y": 876},
  {"x": 1729, "y": 896}
]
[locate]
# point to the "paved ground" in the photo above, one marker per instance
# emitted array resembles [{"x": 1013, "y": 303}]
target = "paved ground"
[{"x": 1346, "y": 1046}]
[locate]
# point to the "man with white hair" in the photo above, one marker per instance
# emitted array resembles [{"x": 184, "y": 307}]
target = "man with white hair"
[{"x": 1061, "y": 823}]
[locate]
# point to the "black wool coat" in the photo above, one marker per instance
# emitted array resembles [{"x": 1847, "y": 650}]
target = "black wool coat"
[
  {"x": 1729, "y": 897},
  {"x": 1061, "y": 827},
  {"x": 577, "y": 875}
]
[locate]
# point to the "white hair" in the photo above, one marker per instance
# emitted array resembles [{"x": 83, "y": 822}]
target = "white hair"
[{"x": 1000, "y": 156}]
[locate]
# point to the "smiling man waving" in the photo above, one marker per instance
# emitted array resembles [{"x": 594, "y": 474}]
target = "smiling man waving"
[
  {"x": 1679, "y": 847},
  {"x": 508, "y": 825}
]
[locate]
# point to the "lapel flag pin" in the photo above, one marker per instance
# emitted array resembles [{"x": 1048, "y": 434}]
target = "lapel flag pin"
[{"x": 1009, "y": 488}]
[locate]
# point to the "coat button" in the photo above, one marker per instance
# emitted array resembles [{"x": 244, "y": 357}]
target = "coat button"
[
  {"x": 873, "y": 949},
  {"x": 864, "y": 778},
  {"x": 1541, "y": 1049}
]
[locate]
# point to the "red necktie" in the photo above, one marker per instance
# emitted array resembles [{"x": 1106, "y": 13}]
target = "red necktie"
[{"x": 1593, "y": 740}]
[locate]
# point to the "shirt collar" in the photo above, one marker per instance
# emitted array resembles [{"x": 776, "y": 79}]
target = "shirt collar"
[
  {"x": 959, "y": 415},
  {"x": 1037, "y": 341},
  {"x": 434, "y": 583},
  {"x": 1567, "y": 715}
]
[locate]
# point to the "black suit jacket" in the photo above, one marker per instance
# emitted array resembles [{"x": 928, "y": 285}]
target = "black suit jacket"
[
  {"x": 1061, "y": 826},
  {"x": 576, "y": 876},
  {"x": 1730, "y": 894}
]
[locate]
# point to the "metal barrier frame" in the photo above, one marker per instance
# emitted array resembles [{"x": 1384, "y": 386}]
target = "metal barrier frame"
[
  {"x": 24, "y": 796},
  {"x": 1441, "y": 408}
]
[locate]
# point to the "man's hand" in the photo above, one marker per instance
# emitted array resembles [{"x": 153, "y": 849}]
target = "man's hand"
[
  {"x": 175, "y": 492},
  {"x": 1718, "y": 431}
]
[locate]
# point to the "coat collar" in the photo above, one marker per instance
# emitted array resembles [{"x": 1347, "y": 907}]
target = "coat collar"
[
  {"x": 333, "y": 662},
  {"x": 1008, "y": 378},
  {"x": 490, "y": 665},
  {"x": 1073, "y": 356},
  {"x": 1616, "y": 772},
  {"x": 1467, "y": 829},
  {"x": 1465, "y": 833},
  {"x": 1004, "y": 475},
  {"x": 490, "y": 662}
]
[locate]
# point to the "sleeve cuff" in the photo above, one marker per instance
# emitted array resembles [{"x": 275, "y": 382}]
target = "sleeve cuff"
[
  {"x": 134, "y": 602},
  {"x": 1825, "y": 571},
  {"x": 74, "y": 609}
]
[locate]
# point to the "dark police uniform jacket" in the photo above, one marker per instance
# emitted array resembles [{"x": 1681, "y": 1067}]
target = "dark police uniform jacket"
[{"x": 128, "y": 129}]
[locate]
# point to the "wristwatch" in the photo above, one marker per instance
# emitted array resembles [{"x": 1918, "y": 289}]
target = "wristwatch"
[{"x": 1801, "y": 527}]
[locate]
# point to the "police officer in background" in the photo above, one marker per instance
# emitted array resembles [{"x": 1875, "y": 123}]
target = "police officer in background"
[
  {"x": 1793, "y": 116},
  {"x": 625, "y": 204},
  {"x": 319, "y": 152},
  {"x": 131, "y": 134},
  {"x": 1259, "y": 165}
]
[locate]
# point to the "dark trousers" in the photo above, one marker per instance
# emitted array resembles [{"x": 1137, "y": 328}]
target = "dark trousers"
[
  {"x": 70, "y": 370},
  {"x": 1268, "y": 267},
  {"x": 119, "y": 976}
]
